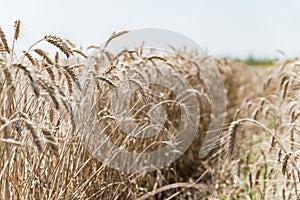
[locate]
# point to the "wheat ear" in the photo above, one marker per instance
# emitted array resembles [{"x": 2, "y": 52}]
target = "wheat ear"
[{"x": 4, "y": 41}]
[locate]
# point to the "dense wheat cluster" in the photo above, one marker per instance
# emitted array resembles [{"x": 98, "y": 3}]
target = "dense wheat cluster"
[{"x": 51, "y": 106}]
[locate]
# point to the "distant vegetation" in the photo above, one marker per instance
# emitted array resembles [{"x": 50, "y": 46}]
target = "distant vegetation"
[{"x": 252, "y": 61}]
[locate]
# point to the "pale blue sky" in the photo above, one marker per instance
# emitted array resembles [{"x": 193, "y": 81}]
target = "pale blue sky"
[{"x": 233, "y": 28}]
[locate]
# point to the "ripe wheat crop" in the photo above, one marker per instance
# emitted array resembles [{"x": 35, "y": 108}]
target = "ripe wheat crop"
[{"x": 46, "y": 108}]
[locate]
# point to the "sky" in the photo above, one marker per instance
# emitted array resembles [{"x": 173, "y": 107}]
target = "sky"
[{"x": 232, "y": 28}]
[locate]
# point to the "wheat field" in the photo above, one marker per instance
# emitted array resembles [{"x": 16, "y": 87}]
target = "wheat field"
[{"x": 45, "y": 109}]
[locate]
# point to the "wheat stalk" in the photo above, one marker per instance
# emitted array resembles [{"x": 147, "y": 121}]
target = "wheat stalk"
[
  {"x": 60, "y": 44},
  {"x": 33, "y": 82},
  {"x": 35, "y": 138},
  {"x": 285, "y": 163},
  {"x": 50, "y": 140},
  {"x": 44, "y": 55},
  {"x": 115, "y": 35},
  {"x": 17, "y": 29},
  {"x": 4, "y": 41},
  {"x": 232, "y": 134},
  {"x": 30, "y": 58}
]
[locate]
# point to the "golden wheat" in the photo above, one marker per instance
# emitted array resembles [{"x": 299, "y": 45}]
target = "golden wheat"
[{"x": 43, "y": 155}]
